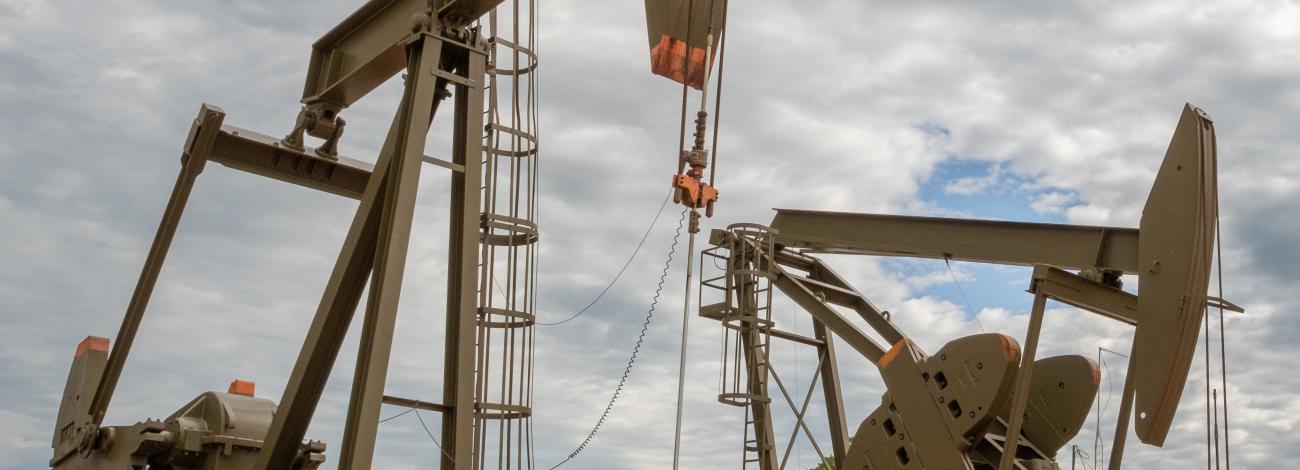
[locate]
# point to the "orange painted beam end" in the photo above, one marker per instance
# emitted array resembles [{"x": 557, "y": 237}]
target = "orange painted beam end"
[{"x": 92, "y": 343}]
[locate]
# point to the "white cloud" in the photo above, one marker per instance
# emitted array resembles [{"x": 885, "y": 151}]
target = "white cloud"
[
  {"x": 1051, "y": 203},
  {"x": 973, "y": 185}
]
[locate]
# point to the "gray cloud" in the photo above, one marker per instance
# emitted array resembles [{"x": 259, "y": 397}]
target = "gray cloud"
[{"x": 824, "y": 108}]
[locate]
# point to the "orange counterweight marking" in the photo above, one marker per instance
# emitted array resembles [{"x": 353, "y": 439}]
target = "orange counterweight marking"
[
  {"x": 1010, "y": 349},
  {"x": 668, "y": 59},
  {"x": 241, "y": 387},
  {"x": 889, "y": 356}
]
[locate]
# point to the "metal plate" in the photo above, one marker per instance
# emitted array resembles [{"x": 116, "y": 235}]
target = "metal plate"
[
  {"x": 678, "y": 28},
  {"x": 1061, "y": 392},
  {"x": 362, "y": 52},
  {"x": 1175, "y": 250}
]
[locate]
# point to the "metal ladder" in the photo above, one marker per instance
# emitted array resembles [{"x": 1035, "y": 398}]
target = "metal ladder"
[{"x": 746, "y": 317}]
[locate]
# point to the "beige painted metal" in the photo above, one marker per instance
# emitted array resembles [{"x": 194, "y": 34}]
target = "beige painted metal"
[
  {"x": 1170, "y": 253},
  {"x": 213, "y": 431},
  {"x": 988, "y": 241},
  {"x": 1024, "y": 378},
  {"x": 1176, "y": 248},
  {"x": 937, "y": 407},
  {"x": 264, "y": 155},
  {"x": 437, "y": 54},
  {"x": 669, "y": 18},
  {"x": 369, "y": 47}
]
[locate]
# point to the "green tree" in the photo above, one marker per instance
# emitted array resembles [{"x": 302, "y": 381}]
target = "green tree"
[{"x": 828, "y": 464}]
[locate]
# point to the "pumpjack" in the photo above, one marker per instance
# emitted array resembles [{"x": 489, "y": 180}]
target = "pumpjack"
[
  {"x": 439, "y": 48},
  {"x": 979, "y": 402},
  {"x": 982, "y": 401}
]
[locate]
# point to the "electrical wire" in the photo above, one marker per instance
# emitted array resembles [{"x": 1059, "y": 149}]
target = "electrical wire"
[
  {"x": 620, "y": 271},
  {"x": 426, "y": 431},
  {"x": 636, "y": 349},
  {"x": 957, "y": 283},
  {"x": 435, "y": 440},
  {"x": 399, "y": 415}
]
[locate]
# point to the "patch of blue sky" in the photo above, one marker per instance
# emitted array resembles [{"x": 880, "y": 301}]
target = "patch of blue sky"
[
  {"x": 983, "y": 285},
  {"x": 985, "y": 189}
]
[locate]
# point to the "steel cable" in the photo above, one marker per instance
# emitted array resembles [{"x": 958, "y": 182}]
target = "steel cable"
[
  {"x": 636, "y": 349},
  {"x": 620, "y": 271}
]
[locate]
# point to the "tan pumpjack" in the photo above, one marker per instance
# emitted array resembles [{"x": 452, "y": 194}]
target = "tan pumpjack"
[{"x": 965, "y": 405}]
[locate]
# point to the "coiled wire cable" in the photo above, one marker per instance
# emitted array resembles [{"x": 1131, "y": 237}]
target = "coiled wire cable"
[{"x": 636, "y": 349}]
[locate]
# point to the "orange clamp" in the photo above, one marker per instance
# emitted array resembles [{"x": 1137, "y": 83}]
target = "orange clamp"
[{"x": 693, "y": 193}]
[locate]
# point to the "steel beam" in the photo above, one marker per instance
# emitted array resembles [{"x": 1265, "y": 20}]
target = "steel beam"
[
  {"x": 368, "y": 47},
  {"x": 832, "y": 394},
  {"x": 823, "y": 274},
  {"x": 412, "y": 403},
  {"x": 986, "y": 241},
  {"x": 1023, "y": 378},
  {"x": 1056, "y": 284},
  {"x": 197, "y": 147},
  {"x": 398, "y": 208},
  {"x": 333, "y": 316},
  {"x": 1125, "y": 411},
  {"x": 806, "y": 299},
  {"x": 462, "y": 263},
  {"x": 259, "y": 154},
  {"x": 1107, "y": 301},
  {"x": 362, "y": 52}
]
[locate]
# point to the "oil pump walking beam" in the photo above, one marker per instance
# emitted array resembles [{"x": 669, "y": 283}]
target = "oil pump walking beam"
[{"x": 988, "y": 241}]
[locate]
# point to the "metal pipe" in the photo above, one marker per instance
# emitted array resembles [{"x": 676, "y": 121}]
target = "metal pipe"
[
  {"x": 1223, "y": 339},
  {"x": 686, "y": 325}
]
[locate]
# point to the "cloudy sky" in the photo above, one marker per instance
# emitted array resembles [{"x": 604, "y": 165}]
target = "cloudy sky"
[{"x": 1036, "y": 111}]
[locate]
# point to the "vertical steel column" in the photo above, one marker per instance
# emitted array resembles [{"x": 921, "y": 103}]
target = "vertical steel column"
[
  {"x": 834, "y": 396},
  {"x": 1023, "y": 377},
  {"x": 398, "y": 209},
  {"x": 1125, "y": 411},
  {"x": 462, "y": 263}
]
